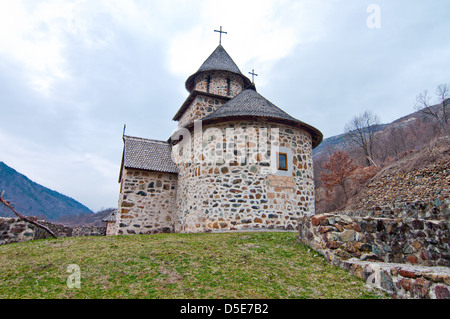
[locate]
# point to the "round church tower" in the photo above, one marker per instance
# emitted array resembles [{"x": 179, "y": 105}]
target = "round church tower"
[
  {"x": 243, "y": 163},
  {"x": 218, "y": 75}
]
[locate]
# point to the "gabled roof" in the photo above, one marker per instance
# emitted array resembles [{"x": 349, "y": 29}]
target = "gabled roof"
[
  {"x": 151, "y": 155},
  {"x": 250, "y": 103},
  {"x": 111, "y": 217},
  {"x": 219, "y": 60}
]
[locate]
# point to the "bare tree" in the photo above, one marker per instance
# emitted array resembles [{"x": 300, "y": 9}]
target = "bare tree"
[
  {"x": 439, "y": 113},
  {"x": 360, "y": 131}
]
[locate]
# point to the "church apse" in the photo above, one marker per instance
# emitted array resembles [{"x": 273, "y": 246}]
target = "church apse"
[{"x": 229, "y": 180}]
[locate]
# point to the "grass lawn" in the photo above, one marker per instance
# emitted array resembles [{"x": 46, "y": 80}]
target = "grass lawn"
[{"x": 210, "y": 265}]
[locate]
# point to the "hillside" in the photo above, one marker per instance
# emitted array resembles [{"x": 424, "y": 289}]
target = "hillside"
[
  {"x": 336, "y": 142},
  {"x": 256, "y": 265},
  {"x": 411, "y": 158},
  {"x": 32, "y": 199},
  {"x": 401, "y": 126},
  {"x": 422, "y": 175}
]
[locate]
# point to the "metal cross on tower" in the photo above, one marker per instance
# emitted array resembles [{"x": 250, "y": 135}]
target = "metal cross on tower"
[
  {"x": 253, "y": 75},
  {"x": 220, "y": 32}
]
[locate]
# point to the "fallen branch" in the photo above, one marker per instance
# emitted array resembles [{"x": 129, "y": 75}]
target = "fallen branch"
[
  {"x": 11, "y": 207},
  {"x": 371, "y": 161}
]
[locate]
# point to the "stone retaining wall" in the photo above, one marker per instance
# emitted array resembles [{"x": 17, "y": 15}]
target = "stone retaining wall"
[
  {"x": 403, "y": 281},
  {"x": 414, "y": 241},
  {"x": 14, "y": 230},
  {"x": 429, "y": 210},
  {"x": 408, "y": 258},
  {"x": 412, "y": 179},
  {"x": 79, "y": 231}
]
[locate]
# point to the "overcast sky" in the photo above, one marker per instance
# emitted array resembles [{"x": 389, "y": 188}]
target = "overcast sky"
[{"x": 72, "y": 73}]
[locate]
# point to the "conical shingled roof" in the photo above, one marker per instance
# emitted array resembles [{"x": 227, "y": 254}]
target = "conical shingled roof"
[
  {"x": 219, "y": 60},
  {"x": 250, "y": 103}
]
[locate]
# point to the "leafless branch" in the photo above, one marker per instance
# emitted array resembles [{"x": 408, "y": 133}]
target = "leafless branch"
[
  {"x": 11, "y": 207},
  {"x": 361, "y": 131},
  {"x": 440, "y": 115}
]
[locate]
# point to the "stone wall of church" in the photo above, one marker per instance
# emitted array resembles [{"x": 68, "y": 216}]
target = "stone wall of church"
[
  {"x": 203, "y": 105},
  {"x": 111, "y": 228},
  {"x": 200, "y": 107},
  {"x": 220, "y": 83},
  {"x": 147, "y": 202},
  {"x": 228, "y": 193}
]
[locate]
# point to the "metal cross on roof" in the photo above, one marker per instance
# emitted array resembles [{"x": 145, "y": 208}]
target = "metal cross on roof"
[
  {"x": 220, "y": 32},
  {"x": 253, "y": 75}
]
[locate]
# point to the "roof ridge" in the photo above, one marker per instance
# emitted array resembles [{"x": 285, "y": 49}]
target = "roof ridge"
[{"x": 145, "y": 139}]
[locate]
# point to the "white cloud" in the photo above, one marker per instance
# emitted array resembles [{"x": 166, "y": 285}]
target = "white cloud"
[
  {"x": 89, "y": 177},
  {"x": 33, "y": 41},
  {"x": 35, "y": 34},
  {"x": 260, "y": 33}
]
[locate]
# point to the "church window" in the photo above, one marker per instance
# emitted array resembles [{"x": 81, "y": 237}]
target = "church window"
[
  {"x": 208, "y": 83},
  {"x": 228, "y": 86},
  {"x": 282, "y": 163}
]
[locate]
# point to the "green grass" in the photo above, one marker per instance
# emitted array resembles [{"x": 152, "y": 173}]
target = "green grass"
[{"x": 225, "y": 265}]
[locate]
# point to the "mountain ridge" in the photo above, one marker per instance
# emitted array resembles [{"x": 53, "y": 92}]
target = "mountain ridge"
[{"x": 33, "y": 199}]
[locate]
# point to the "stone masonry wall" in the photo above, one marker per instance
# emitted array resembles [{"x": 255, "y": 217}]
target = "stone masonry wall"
[
  {"x": 402, "y": 281},
  {"x": 88, "y": 230},
  {"x": 413, "y": 241},
  {"x": 111, "y": 228},
  {"x": 203, "y": 105},
  {"x": 147, "y": 202},
  {"x": 422, "y": 183},
  {"x": 219, "y": 83},
  {"x": 437, "y": 209},
  {"x": 200, "y": 107},
  {"x": 14, "y": 230},
  {"x": 406, "y": 257},
  {"x": 228, "y": 193}
]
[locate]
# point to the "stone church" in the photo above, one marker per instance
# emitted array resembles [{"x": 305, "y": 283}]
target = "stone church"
[{"x": 236, "y": 162}]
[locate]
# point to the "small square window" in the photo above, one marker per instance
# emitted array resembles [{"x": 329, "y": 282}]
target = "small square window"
[{"x": 282, "y": 163}]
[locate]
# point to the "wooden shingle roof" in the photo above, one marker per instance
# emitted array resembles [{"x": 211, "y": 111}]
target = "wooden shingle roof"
[
  {"x": 249, "y": 103},
  {"x": 151, "y": 155},
  {"x": 219, "y": 60},
  {"x": 111, "y": 217}
]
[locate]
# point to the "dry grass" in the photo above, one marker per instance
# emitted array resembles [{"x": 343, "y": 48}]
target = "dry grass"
[
  {"x": 419, "y": 176},
  {"x": 437, "y": 151}
]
